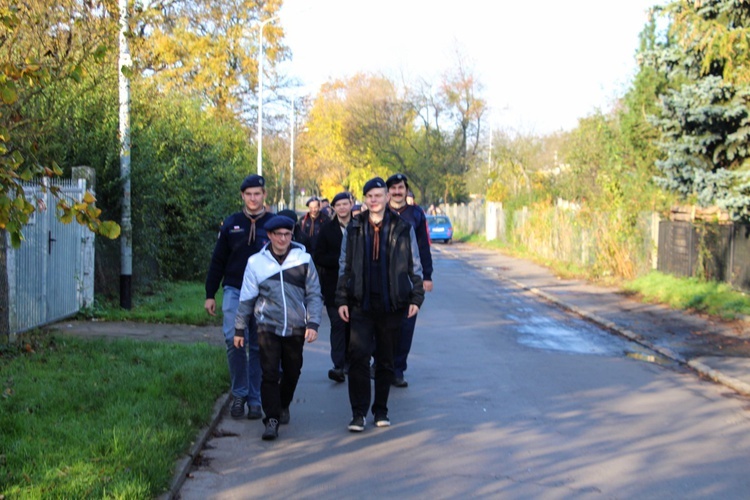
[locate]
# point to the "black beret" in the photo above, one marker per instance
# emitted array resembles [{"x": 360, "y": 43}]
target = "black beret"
[
  {"x": 395, "y": 179},
  {"x": 279, "y": 222},
  {"x": 288, "y": 213},
  {"x": 252, "y": 181},
  {"x": 314, "y": 198},
  {"x": 377, "y": 182},
  {"x": 341, "y": 196},
  {"x": 356, "y": 206}
]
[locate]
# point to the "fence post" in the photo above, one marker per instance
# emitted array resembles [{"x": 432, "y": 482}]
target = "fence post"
[
  {"x": 86, "y": 177},
  {"x": 490, "y": 223},
  {"x": 654, "y": 240}
]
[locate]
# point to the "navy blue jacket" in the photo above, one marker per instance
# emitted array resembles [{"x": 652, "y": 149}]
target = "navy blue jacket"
[
  {"x": 414, "y": 215},
  {"x": 232, "y": 251},
  {"x": 326, "y": 258}
]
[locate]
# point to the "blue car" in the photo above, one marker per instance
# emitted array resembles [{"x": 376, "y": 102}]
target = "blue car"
[{"x": 440, "y": 228}]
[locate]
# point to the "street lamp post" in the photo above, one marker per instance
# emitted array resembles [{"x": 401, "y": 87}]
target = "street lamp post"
[
  {"x": 260, "y": 92},
  {"x": 291, "y": 159}
]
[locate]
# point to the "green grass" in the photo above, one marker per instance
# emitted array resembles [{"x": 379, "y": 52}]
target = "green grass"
[
  {"x": 174, "y": 303},
  {"x": 95, "y": 418},
  {"x": 713, "y": 298},
  {"x": 707, "y": 297}
]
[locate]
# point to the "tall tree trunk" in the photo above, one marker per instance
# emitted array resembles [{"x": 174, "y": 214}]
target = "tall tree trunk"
[{"x": 4, "y": 295}]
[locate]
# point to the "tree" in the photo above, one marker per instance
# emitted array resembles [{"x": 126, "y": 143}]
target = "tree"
[
  {"x": 703, "y": 120},
  {"x": 41, "y": 46},
  {"x": 207, "y": 48}
]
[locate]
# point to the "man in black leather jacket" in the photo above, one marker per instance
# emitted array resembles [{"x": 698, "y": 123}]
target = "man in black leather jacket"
[{"x": 380, "y": 282}]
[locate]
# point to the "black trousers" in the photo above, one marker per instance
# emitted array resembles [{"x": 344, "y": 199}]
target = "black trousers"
[
  {"x": 339, "y": 337},
  {"x": 383, "y": 328},
  {"x": 276, "y": 394}
]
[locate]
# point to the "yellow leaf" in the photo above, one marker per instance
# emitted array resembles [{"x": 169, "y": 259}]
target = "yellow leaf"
[
  {"x": 88, "y": 197},
  {"x": 109, "y": 229}
]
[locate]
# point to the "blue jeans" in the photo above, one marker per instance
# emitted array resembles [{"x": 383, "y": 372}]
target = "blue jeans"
[{"x": 244, "y": 364}]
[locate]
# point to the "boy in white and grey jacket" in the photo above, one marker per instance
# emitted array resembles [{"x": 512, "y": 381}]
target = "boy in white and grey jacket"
[{"x": 281, "y": 288}]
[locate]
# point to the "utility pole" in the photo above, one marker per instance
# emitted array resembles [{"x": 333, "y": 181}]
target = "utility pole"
[
  {"x": 260, "y": 93},
  {"x": 292, "y": 203},
  {"x": 126, "y": 225}
]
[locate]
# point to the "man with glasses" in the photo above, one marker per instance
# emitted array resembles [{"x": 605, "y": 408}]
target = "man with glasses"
[{"x": 281, "y": 289}]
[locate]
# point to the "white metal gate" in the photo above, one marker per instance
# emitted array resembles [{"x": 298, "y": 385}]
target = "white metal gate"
[{"x": 52, "y": 275}]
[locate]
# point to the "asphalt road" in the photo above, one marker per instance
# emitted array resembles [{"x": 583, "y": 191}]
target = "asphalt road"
[{"x": 509, "y": 397}]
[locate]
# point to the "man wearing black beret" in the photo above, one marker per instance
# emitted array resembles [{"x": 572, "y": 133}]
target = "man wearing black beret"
[
  {"x": 327, "y": 259},
  {"x": 380, "y": 282},
  {"x": 280, "y": 290},
  {"x": 398, "y": 188},
  {"x": 242, "y": 234}
]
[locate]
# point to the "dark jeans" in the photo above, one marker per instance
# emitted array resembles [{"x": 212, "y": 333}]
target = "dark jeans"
[
  {"x": 339, "y": 337},
  {"x": 275, "y": 394},
  {"x": 404, "y": 345},
  {"x": 384, "y": 328}
]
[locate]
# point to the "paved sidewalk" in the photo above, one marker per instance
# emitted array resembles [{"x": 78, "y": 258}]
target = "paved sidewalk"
[{"x": 715, "y": 349}]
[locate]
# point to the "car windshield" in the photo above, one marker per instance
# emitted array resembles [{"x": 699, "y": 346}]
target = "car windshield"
[{"x": 438, "y": 221}]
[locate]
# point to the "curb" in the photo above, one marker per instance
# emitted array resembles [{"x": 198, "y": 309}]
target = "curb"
[
  {"x": 697, "y": 366},
  {"x": 185, "y": 463}
]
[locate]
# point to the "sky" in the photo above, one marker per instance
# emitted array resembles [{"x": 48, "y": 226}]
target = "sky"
[{"x": 543, "y": 64}]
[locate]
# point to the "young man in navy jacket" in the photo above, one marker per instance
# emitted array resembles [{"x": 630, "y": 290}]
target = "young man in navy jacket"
[
  {"x": 242, "y": 234},
  {"x": 398, "y": 189}
]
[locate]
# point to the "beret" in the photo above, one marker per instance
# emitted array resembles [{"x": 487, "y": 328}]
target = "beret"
[
  {"x": 314, "y": 198},
  {"x": 395, "y": 179},
  {"x": 288, "y": 213},
  {"x": 356, "y": 207},
  {"x": 341, "y": 196},
  {"x": 376, "y": 182},
  {"x": 252, "y": 181},
  {"x": 279, "y": 222}
]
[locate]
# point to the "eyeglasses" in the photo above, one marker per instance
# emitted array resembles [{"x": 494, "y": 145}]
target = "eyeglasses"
[{"x": 287, "y": 234}]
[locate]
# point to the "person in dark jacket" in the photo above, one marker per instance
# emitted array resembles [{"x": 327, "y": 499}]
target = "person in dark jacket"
[
  {"x": 297, "y": 235},
  {"x": 380, "y": 281},
  {"x": 281, "y": 290},
  {"x": 312, "y": 222},
  {"x": 241, "y": 235},
  {"x": 398, "y": 189},
  {"x": 327, "y": 260}
]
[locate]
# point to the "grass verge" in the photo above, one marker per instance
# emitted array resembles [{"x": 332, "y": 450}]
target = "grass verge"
[
  {"x": 708, "y": 297},
  {"x": 172, "y": 303},
  {"x": 101, "y": 418}
]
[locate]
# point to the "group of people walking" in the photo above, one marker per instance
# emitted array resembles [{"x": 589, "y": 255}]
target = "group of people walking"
[{"x": 370, "y": 268}]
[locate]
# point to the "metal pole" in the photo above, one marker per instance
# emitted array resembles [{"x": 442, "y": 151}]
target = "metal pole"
[
  {"x": 260, "y": 93},
  {"x": 291, "y": 159},
  {"x": 126, "y": 237}
]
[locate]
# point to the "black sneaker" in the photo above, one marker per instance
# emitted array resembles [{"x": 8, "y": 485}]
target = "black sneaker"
[
  {"x": 272, "y": 430},
  {"x": 400, "y": 382},
  {"x": 284, "y": 416},
  {"x": 238, "y": 408},
  {"x": 254, "y": 412},
  {"x": 357, "y": 424},
  {"x": 336, "y": 374},
  {"x": 382, "y": 420}
]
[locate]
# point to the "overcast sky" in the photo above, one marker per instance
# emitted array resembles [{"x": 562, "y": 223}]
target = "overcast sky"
[{"x": 543, "y": 63}]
